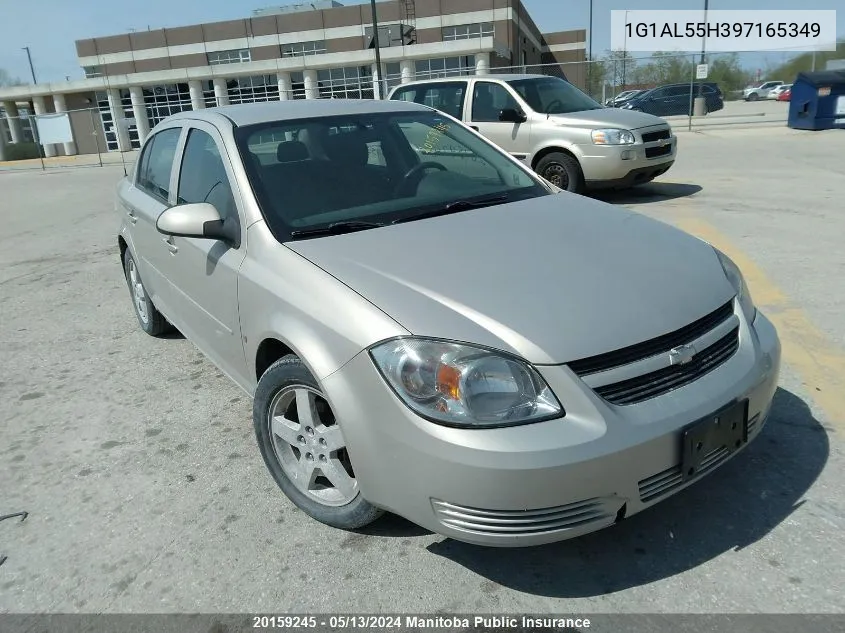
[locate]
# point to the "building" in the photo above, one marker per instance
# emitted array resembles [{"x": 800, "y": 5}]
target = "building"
[{"x": 309, "y": 50}]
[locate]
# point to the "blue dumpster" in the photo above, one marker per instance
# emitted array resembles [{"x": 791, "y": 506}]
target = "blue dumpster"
[{"x": 818, "y": 101}]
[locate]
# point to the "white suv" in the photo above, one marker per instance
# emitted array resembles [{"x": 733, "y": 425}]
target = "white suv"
[
  {"x": 565, "y": 136},
  {"x": 760, "y": 92}
]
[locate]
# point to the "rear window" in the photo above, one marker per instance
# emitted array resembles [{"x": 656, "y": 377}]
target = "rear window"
[{"x": 446, "y": 97}]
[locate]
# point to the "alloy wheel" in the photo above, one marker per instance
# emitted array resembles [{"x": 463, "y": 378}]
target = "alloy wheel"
[
  {"x": 139, "y": 295},
  {"x": 309, "y": 446}
]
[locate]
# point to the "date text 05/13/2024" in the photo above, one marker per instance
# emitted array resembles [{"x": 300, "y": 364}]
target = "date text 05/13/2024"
[{"x": 370, "y": 622}]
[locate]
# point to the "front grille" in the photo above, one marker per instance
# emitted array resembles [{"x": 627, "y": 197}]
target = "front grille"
[
  {"x": 524, "y": 522},
  {"x": 650, "y": 137},
  {"x": 655, "y": 152},
  {"x": 668, "y": 480},
  {"x": 661, "y": 344},
  {"x": 664, "y": 380}
]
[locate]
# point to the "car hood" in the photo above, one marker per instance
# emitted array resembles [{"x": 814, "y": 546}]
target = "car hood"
[
  {"x": 552, "y": 279},
  {"x": 609, "y": 117}
]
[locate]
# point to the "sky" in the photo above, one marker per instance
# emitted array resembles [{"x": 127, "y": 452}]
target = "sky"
[{"x": 50, "y": 27}]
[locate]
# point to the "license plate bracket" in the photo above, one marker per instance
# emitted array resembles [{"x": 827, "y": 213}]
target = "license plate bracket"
[{"x": 724, "y": 429}]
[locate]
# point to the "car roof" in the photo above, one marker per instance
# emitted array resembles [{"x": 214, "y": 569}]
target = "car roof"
[
  {"x": 268, "y": 111},
  {"x": 496, "y": 77}
]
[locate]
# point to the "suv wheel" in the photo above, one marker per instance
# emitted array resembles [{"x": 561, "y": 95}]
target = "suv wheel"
[
  {"x": 304, "y": 449},
  {"x": 562, "y": 170},
  {"x": 753, "y": 96}
]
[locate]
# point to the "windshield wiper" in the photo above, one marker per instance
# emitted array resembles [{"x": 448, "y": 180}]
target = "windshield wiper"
[
  {"x": 336, "y": 228},
  {"x": 457, "y": 205}
]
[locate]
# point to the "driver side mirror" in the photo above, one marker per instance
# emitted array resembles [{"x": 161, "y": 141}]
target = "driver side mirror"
[
  {"x": 199, "y": 220},
  {"x": 512, "y": 115}
]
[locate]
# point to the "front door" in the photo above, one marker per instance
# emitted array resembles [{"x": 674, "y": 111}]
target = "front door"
[
  {"x": 204, "y": 272},
  {"x": 488, "y": 100}
]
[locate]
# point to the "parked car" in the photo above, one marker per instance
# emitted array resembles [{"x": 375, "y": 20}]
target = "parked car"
[
  {"x": 549, "y": 124},
  {"x": 622, "y": 97},
  {"x": 785, "y": 95},
  {"x": 775, "y": 92},
  {"x": 677, "y": 99},
  {"x": 334, "y": 258},
  {"x": 760, "y": 92}
]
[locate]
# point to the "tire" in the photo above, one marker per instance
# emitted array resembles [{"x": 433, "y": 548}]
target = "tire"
[
  {"x": 149, "y": 318},
  {"x": 562, "y": 170},
  {"x": 295, "y": 450},
  {"x": 753, "y": 97}
]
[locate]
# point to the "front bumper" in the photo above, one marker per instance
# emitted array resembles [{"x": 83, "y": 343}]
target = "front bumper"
[
  {"x": 543, "y": 482},
  {"x": 625, "y": 165}
]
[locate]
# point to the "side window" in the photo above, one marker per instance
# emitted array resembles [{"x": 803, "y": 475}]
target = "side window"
[
  {"x": 488, "y": 99},
  {"x": 203, "y": 178},
  {"x": 157, "y": 163},
  {"x": 446, "y": 97}
]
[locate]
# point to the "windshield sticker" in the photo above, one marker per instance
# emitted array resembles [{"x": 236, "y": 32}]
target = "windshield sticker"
[{"x": 434, "y": 137}]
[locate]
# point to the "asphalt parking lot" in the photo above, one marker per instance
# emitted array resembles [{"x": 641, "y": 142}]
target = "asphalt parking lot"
[{"x": 136, "y": 461}]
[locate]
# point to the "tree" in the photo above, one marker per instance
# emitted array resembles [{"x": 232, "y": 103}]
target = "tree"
[
  {"x": 664, "y": 68},
  {"x": 789, "y": 70},
  {"x": 7, "y": 80}
]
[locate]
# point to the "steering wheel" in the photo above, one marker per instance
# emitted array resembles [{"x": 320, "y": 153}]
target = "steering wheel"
[
  {"x": 411, "y": 180},
  {"x": 554, "y": 102}
]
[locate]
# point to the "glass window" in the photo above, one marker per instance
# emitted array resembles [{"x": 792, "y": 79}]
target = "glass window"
[
  {"x": 202, "y": 177},
  {"x": 157, "y": 163},
  {"x": 444, "y": 67},
  {"x": 385, "y": 167},
  {"x": 552, "y": 95},
  {"x": 237, "y": 56},
  {"x": 446, "y": 97},
  {"x": 301, "y": 49},
  {"x": 488, "y": 99},
  {"x": 467, "y": 31}
]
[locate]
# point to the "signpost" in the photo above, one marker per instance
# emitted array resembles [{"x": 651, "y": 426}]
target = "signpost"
[{"x": 701, "y": 71}]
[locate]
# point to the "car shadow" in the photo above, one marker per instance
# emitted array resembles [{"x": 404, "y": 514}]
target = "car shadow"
[
  {"x": 650, "y": 192},
  {"x": 392, "y": 525},
  {"x": 734, "y": 507}
]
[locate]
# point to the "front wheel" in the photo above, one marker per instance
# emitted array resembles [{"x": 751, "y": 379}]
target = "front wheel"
[
  {"x": 562, "y": 170},
  {"x": 753, "y": 96},
  {"x": 304, "y": 449}
]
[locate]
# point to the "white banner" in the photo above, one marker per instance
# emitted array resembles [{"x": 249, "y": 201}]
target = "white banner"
[
  {"x": 54, "y": 128},
  {"x": 723, "y": 31}
]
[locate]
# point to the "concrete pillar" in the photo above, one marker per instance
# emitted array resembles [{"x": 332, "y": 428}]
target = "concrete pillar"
[
  {"x": 14, "y": 117},
  {"x": 41, "y": 108},
  {"x": 2, "y": 142},
  {"x": 378, "y": 84},
  {"x": 408, "y": 70},
  {"x": 139, "y": 112},
  {"x": 119, "y": 121},
  {"x": 221, "y": 92},
  {"x": 61, "y": 106},
  {"x": 312, "y": 90},
  {"x": 285, "y": 88},
  {"x": 482, "y": 63},
  {"x": 197, "y": 97}
]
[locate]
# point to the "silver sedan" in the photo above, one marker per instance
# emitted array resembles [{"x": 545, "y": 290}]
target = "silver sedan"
[{"x": 428, "y": 328}]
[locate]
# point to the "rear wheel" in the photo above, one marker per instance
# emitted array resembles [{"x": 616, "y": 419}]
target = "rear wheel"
[
  {"x": 562, "y": 170},
  {"x": 304, "y": 449},
  {"x": 753, "y": 96},
  {"x": 149, "y": 318}
]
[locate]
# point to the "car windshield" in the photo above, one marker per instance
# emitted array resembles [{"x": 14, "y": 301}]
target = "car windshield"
[
  {"x": 334, "y": 174},
  {"x": 552, "y": 95}
]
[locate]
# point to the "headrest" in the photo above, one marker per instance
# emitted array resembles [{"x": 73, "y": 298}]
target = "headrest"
[
  {"x": 289, "y": 151},
  {"x": 350, "y": 147}
]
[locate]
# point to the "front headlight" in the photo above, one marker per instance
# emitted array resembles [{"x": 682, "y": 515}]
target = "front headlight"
[
  {"x": 734, "y": 275},
  {"x": 612, "y": 136},
  {"x": 464, "y": 385}
]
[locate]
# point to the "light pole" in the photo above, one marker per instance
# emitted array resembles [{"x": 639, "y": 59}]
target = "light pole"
[
  {"x": 624, "y": 53},
  {"x": 378, "y": 52},
  {"x": 590, "y": 51},
  {"x": 703, "y": 46},
  {"x": 31, "y": 68}
]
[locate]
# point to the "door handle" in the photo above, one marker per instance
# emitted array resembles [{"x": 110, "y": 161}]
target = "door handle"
[
  {"x": 170, "y": 245},
  {"x": 131, "y": 214}
]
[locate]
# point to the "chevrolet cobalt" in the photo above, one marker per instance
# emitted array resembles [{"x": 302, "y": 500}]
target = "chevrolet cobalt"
[{"x": 426, "y": 327}]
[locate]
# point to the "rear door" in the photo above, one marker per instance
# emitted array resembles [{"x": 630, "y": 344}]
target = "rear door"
[
  {"x": 143, "y": 201},
  {"x": 204, "y": 272},
  {"x": 488, "y": 100}
]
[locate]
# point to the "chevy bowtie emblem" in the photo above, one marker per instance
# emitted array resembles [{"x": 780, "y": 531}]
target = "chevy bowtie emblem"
[{"x": 681, "y": 355}]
